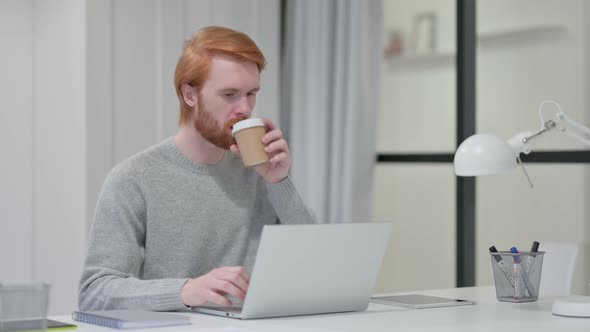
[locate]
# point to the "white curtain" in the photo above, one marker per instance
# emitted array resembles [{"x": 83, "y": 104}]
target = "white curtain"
[{"x": 332, "y": 51}]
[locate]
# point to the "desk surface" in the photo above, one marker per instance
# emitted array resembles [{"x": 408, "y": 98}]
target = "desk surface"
[{"x": 487, "y": 315}]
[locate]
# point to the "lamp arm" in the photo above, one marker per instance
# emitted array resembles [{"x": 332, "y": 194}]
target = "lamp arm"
[
  {"x": 573, "y": 128},
  {"x": 520, "y": 142}
]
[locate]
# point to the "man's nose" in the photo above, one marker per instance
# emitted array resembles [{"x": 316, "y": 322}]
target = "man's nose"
[{"x": 243, "y": 107}]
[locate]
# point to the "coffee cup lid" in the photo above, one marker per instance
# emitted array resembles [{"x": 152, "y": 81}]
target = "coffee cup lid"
[{"x": 248, "y": 123}]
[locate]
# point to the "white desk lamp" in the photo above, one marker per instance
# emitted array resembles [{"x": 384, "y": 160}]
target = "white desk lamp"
[{"x": 487, "y": 154}]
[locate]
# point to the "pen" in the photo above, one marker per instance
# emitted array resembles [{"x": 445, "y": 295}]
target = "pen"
[
  {"x": 520, "y": 277},
  {"x": 529, "y": 266},
  {"x": 502, "y": 266},
  {"x": 517, "y": 280},
  {"x": 534, "y": 248}
]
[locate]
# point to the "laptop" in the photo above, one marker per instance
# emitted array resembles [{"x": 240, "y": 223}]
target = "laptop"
[{"x": 312, "y": 269}]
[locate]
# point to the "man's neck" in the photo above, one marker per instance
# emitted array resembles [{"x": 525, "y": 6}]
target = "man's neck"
[{"x": 193, "y": 146}]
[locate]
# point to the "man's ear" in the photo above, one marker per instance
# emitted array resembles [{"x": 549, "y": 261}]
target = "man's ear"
[{"x": 189, "y": 94}]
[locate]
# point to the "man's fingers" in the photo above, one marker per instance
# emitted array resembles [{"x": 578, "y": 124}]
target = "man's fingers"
[
  {"x": 279, "y": 158},
  {"x": 269, "y": 124},
  {"x": 273, "y": 135},
  {"x": 236, "y": 280},
  {"x": 236, "y": 275},
  {"x": 230, "y": 288},
  {"x": 239, "y": 270},
  {"x": 277, "y": 146},
  {"x": 213, "y": 297},
  {"x": 215, "y": 286}
]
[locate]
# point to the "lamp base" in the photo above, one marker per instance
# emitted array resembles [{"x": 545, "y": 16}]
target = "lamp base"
[{"x": 572, "y": 306}]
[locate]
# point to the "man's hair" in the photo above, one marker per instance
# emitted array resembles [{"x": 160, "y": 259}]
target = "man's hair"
[{"x": 195, "y": 61}]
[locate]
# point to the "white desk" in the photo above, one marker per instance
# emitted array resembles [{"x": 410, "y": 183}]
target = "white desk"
[{"x": 487, "y": 315}]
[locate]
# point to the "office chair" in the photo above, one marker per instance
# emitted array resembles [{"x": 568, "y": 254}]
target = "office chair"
[{"x": 558, "y": 268}]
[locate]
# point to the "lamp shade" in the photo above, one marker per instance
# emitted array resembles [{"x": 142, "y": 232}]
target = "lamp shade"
[{"x": 484, "y": 154}]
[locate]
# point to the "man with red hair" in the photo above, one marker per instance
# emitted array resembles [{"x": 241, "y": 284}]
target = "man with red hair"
[{"x": 178, "y": 225}]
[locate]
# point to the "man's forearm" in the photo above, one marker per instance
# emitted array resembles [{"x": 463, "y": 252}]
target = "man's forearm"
[
  {"x": 288, "y": 204},
  {"x": 108, "y": 290}
]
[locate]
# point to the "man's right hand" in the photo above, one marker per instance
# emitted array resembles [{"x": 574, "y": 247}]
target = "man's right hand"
[{"x": 215, "y": 286}]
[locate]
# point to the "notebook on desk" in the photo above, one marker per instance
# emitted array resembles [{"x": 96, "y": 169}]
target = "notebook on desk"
[
  {"x": 130, "y": 319},
  {"x": 312, "y": 269}
]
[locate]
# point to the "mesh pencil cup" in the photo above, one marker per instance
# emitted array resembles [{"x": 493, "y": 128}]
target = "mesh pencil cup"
[
  {"x": 23, "y": 307},
  {"x": 517, "y": 275}
]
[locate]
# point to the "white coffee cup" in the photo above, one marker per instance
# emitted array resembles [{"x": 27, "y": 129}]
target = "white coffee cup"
[{"x": 248, "y": 134}]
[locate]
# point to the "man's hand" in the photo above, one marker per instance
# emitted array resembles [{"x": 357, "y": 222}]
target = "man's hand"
[
  {"x": 215, "y": 286},
  {"x": 277, "y": 168}
]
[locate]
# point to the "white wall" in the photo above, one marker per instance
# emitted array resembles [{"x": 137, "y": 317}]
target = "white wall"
[
  {"x": 99, "y": 99},
  {"x": 16, "y": 132},
  {"x": 85, "y": 84},
  {"x": 43, "y": 172}
]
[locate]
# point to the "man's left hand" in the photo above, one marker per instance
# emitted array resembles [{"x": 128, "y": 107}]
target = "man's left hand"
[{"x": 277, "y": 167}]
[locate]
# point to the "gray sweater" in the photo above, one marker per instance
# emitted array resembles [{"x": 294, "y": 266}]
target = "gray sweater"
[{"x": 162, "y": 219}]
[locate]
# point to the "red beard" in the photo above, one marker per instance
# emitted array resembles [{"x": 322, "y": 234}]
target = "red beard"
[{"x": 209, "y": 128}]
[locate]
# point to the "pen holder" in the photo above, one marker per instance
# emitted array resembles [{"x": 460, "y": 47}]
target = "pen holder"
[
  {"x": 24, "y": 307},
  {"x": 517, "y": 275}
]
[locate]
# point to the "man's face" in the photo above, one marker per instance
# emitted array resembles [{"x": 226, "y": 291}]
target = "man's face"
[{"x": 227, "y": 96}]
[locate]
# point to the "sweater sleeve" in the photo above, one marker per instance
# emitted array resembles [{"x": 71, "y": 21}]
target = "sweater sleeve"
[
  {"x": 111, "y": 275},
  {"x": 288, "y": 204}
]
